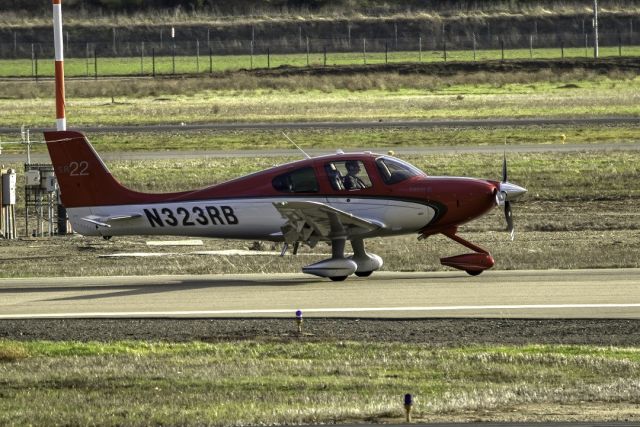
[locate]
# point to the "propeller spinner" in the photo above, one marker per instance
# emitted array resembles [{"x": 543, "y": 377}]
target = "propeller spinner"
[{"x": 508, "y": 192}]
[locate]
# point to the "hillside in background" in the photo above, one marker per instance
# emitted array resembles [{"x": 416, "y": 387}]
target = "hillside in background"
[{"x": 190, "y": 9}]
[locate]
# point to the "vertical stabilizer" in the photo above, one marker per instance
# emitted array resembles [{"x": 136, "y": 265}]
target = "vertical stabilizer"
[{"x": 83, "y": 178}]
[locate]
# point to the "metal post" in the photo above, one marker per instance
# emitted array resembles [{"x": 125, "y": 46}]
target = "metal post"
[
  {"x": 210, "y": 61},
  {"x": 444, "y": 49},
  {"x": 307, "y": 51},
  {"x": 596, "y": 53},
  {"x": 142, "y": 58},
  {"x": 531, "y": 46},
  {"x": 32, "y": 61},
  {"x": 268, "y": 58},
  {"x": 619, "y": 45},
  {"x": 386, "y": 52},
  {"x": 325, "y": 56},
  {"x": 87, "y": 55},
  {"x": 474, "y": 46},
  {"x": 153, "y": 62},
  {"x": 502, "y": 47},
  {"x": 173, "y": 49},
  {"x": 420, "y": 49},
  {"x": 197, "y": 56},
  {"x": 364, "y": 50},
  {"x": 95, "y": 63}
]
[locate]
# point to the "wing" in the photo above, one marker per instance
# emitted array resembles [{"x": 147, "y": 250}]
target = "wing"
[
  {"x": 311, "y": 222},
  {"x": 103, "y": 221}
]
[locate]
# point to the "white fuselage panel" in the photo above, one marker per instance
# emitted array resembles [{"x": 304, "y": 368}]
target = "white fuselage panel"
[{"x": 242, "y": 218}]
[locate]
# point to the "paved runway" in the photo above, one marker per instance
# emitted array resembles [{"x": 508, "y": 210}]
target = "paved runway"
[{"x": 602, "y": 293}]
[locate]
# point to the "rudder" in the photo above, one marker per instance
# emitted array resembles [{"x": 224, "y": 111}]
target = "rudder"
[{"x": 83, "y": 178}]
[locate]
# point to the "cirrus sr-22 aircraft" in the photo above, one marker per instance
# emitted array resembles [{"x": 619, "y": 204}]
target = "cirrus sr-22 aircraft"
[{"x": 332, "y": 198}]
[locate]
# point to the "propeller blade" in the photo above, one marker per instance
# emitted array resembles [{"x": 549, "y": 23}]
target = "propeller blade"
[
  {"x": 504, "y": 167},
  {"x": 508, "y": 216}
]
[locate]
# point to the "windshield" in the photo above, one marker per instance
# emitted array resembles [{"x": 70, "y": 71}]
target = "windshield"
[{"x": 395, "y": 170}]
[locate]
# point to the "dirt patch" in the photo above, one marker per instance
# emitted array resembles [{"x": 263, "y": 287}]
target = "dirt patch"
[
  {"x": 439, "y": 332},
  {"x": 559, "y": 66}
]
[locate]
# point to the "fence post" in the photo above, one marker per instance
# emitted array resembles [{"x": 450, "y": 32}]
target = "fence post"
[
  {"x": 364, "y": 50},
  {"x": 153, "y": 62},
  {"x": 420, "y": 49},
  {"x": 142, "y": 58},
  {"x": 197, "y": 56},
  {"x": 95, "y": 63},
  {"x": 619, "y": 45},
  {"x": 251, "y": 54},
  {"x": 35, "y": 54},
  {"x": 324, "y": 53},
  {"x": 115, "y": 49},
  {"x": 444, "y": 49},
  {"x": 268, "y": 58},
  {"x": 87, "y": 55},
  {"x": 210, "y": 61},
  {"x": 586, "y": 45},
  {"x": 386, "y": 51},
  {"x": 173, "y": 57},
  {"x": 531, "y": 46},
  {"x": 32, "y": 61},
  {"x": 502, "y": 48},
  {"x": 474, "y": 45},
  {"x": 307, "y": 51},
  {"x": 561, "y": 49}
]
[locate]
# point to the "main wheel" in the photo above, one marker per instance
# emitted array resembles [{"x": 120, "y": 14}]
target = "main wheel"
[
  {"x": 338, "y": 278},
  {"x": 363, "y": 273},
  {"x": 473, "y": 272}
]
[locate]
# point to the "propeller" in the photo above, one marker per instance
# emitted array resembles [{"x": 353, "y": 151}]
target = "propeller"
[{"x": 506, "y": 193}]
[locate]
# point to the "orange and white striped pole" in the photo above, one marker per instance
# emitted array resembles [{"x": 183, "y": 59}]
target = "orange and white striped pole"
[{"x": 61, "y": 121}]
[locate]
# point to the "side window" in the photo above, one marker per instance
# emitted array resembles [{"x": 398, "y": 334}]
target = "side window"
[
  {"x": 347, "y": 175},
  {"x": 297, "y": 181}
]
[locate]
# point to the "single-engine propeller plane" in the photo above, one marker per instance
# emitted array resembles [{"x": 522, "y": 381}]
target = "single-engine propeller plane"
[{"x": 332, "y": 198}]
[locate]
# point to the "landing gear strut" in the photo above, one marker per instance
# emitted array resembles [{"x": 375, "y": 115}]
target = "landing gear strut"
[{"x": 474, "y": 263}]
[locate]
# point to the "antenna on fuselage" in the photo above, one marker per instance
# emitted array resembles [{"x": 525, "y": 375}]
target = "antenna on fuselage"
[{"x": 301, "y": 150}]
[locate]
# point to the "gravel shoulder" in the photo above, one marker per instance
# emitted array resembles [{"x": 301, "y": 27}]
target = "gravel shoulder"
[{"x": 437, "y": 332}]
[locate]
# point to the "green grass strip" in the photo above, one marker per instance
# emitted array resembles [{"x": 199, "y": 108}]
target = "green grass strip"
[{"x": 241, "y": 383}]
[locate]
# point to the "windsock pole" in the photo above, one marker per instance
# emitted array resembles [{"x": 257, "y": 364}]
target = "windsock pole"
[{"x": 61, "y": 121}]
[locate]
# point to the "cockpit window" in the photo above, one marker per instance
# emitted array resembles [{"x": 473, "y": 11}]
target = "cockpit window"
[
  {"x": 395, "y": 170},
  {"x": 298, "y": 181},
  {"x": 347, "y": 175}
]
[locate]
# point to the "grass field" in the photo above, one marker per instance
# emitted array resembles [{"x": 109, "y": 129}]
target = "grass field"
[
  {"x": 148, "y": 65},
  {"x": 248, "y": 383},
  {"x": 372, "y": 97}
]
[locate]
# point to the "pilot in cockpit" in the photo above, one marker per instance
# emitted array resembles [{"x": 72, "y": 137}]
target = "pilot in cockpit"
[{"x": 351, "y": 181}]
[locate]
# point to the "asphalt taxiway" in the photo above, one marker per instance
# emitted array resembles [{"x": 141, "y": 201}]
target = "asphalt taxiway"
[{"x": 550, "y": 294}]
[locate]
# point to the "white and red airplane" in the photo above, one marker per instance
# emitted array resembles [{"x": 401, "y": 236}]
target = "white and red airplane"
[{"x": 333, "y": 198}]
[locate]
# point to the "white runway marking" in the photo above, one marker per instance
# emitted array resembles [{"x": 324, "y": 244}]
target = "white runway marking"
[{"x": 291, "y": 311}]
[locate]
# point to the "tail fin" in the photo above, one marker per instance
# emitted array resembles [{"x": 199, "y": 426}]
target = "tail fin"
[{"x": 83, "y": 178}]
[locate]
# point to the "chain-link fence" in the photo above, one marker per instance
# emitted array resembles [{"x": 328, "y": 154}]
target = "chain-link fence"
[{"x": 194, "y": 56}]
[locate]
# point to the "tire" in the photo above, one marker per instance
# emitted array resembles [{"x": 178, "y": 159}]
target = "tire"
[
  {"x": 363, "y": 273},
  {"x": 338, "y": 278},
  {"x": 473, "y": 272}
]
